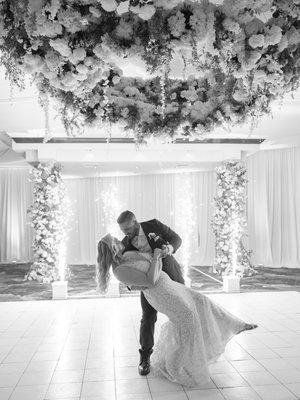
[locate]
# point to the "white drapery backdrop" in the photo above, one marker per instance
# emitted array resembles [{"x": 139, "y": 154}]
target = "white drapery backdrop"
[
  {"x": 148, "y": 196},
  {"x": 273, "y": 209},
  {"x": 15, "y": 230}
]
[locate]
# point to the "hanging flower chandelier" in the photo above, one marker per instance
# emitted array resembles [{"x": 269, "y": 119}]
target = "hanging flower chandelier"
[{"x": 242, "y": 54}]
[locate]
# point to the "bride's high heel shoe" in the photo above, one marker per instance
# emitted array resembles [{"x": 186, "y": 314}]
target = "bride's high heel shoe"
[{"x": 248, "y": 327}]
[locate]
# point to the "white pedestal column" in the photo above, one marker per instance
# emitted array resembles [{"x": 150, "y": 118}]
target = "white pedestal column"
[
  {"x": 59, "y": 290},
  {"x": 231, "y": 284}
]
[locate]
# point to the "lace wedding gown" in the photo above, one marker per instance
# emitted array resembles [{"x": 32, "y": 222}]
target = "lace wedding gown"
[{"x": 195, "y": 335}]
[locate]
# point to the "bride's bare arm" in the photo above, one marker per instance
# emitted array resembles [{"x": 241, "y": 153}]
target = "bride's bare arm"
[{"x": 131, "y": 276}]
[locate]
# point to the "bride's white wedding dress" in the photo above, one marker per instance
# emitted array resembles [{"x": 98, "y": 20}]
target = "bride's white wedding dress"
[{"x": 196, "y": 333}]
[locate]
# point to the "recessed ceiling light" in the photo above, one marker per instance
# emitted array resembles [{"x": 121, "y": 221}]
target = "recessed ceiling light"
[
  {"x": 90, "y": 165},
  {"x": 181, "y": 165}
]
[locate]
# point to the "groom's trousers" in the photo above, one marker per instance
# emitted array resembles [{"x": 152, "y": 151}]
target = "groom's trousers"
[{"x": 149, "y": 316}]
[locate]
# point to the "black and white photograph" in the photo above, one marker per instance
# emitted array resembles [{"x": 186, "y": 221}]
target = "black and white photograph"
[{"x": 149, "y": 199}]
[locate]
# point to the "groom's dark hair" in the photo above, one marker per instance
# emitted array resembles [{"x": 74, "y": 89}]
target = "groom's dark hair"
[{"x": 125, "y": 216}]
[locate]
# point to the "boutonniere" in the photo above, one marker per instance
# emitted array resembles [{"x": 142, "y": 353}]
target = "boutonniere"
[{"x": 153, "y": 236}]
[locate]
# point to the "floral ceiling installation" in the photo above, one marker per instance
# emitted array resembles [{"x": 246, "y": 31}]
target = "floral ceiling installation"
[{"x": 245, "y": 53}]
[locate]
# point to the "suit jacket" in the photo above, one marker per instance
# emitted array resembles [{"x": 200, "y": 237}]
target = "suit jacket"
[{"x": 170, "y": 264}]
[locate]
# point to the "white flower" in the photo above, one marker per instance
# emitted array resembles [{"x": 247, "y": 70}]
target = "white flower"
[
  {"x": 259, "y": 75},
  {"x": 33, "y": 62},
  {"x": 240, "y": 95},
  {"x": 61, "y": 46},
  {"x": 201, "y": 21},
  {"x": 124, "y": 29},
  {"x": 253, "y": 58},
  {"x": 116, "y": 79},
  {"x": 35, "y": 5},
  {"x": 123, "y": 7},
  {"x": 69, "y": 79},
  {"x": 98, "y": 50},
  {"x": 52, "y": 60},
  {"x": 109, "y": 5},
  {"x": 82, "y": 69},
  {"x": 190, "y": 94},
  {"x": 256, "y": 41},
  {"x": 231, "y": 26},
  {"x": 77, "y": 55},
  {"x": 274, "y": 35},
  {"x": 177, "y": 24},
  {"x": 95, "y": 11},
  {"x": 72, "y": 20},
  {"x": 283, "y": 43},
  {"x": 293, "y": 36},
  {"x": 125, "y": 112},
  {"x": 145, "y": 12},
  {"x": 89, "y": 61},
  {"x": 167, "y": 4}
]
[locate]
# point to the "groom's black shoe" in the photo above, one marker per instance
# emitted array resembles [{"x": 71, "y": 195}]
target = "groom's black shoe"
[{"x": 144, "y": 366}]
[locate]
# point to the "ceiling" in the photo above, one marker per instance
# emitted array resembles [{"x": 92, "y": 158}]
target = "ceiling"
[{"x": 96, "y": 157}]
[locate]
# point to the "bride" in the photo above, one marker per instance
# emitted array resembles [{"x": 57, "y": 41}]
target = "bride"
[{"x": 198, "y": 329}]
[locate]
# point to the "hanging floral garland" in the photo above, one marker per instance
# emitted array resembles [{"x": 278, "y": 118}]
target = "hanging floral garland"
[
  {"x": 229, "y": 221},
  {"x": 246, "y": 53},
  {"x": 49, "y": 215}
]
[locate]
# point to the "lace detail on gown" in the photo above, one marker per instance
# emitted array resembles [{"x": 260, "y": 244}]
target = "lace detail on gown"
[{"x": 195, "y": 335}]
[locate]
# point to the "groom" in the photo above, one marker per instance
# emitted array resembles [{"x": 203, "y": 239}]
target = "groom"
[{"x": 145, "y": 237}]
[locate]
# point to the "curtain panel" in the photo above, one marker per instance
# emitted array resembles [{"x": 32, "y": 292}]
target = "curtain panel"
[
  {"x": 15, "y": 230},
  {"x": 274, "y": 207}
]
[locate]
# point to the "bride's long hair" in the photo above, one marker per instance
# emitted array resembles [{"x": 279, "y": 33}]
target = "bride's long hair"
[{"x": 105, "y": 259}]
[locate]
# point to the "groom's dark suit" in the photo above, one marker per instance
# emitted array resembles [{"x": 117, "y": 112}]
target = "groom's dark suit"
[{"x": 170, "y": 266}]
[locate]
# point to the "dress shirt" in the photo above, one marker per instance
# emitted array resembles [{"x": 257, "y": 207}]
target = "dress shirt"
[{"x": 141, "y": 242}]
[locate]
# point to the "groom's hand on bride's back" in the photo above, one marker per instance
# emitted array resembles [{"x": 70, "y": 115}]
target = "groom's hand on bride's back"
[{"x": 138, "y": 287}]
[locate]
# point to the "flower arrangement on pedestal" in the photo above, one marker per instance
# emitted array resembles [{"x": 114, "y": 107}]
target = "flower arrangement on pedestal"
[
  {"x": 229, "y": 221},
  {"x": 49, "y": 214},
  {"x": 245, "y": 53}
]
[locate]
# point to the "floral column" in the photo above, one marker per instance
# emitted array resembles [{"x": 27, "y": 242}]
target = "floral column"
[
  {"x": 229, "y": 221},
  {"x": 49, "y": 214}
]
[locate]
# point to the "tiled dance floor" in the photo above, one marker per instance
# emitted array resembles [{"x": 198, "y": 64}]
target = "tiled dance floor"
[{"x": 88, "y": 349}]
